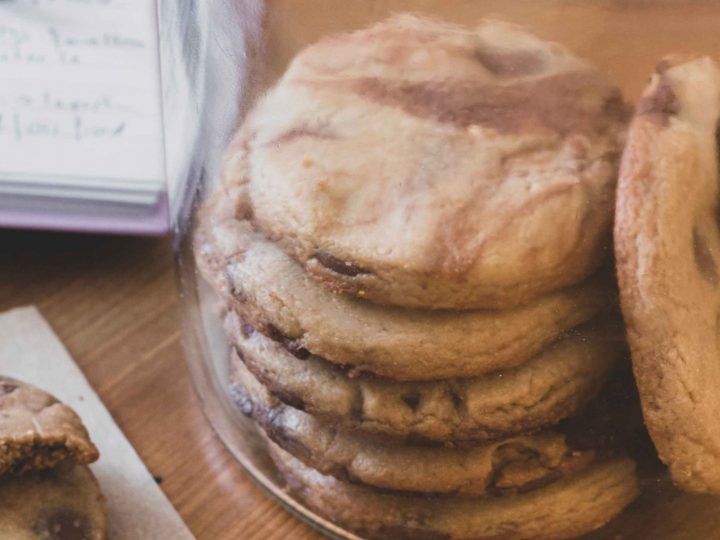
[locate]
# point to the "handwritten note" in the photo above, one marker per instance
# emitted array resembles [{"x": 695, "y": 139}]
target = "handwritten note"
[{"x": 80, "y": 92}]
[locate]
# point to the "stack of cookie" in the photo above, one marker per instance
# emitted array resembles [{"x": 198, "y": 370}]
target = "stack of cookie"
[
  {"x": 46, "y": 488},
  {"x": 408, "y": 241}
]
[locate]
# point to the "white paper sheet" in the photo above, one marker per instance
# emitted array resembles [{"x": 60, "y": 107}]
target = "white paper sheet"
[
  {"x": 138, "y": 509},
  {"x": 80, "y": 92}
]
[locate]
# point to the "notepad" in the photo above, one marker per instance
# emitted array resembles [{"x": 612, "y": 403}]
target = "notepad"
[{"x": 81, "y": 138}]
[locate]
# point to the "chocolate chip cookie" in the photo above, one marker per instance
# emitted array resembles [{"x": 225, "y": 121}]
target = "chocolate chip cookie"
[
  {"x": 515, "y": 464},
  {"x": 567, "y": 508},
  {"x": 418, "y": 163},
  {"x": 37, "y": 431},
  {"x": 274, "y": 294},
  {"x": 549, "y": 387},
  {"x": 667, "y": 245},
  {"x": 63, "y": 503}
]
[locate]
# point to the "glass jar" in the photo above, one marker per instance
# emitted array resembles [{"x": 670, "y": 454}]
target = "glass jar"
[{"x": 219, "y": 58}]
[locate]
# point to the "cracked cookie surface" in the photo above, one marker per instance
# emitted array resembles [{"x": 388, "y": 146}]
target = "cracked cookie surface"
[
  {"x": 421, "y": 164},
  {"x": 37, "y": 431},
  {"x": 667, "y": 245},
  {"x": 547, "y": 388}
]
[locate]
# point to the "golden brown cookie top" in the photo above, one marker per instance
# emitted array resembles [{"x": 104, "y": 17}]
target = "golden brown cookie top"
[
  {"x": 37, "y": 431},
  {"x": 419, "y": 163}
]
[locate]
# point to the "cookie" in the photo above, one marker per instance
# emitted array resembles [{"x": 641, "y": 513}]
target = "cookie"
[
  {"x": 273, "y": 293},
  {"x": 549, "y": 387},
  {"x": 515, "y": 464},
  {"x": 421, "y": 164},
  {"x": 64, "y": 503},
  {"x": 667, "y": 246},
  {"x": 37, "y": 431},
  {"x": 567, "y": 508}
]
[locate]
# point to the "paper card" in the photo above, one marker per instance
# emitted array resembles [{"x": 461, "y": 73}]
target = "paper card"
[{"x": 80, "y": 91}]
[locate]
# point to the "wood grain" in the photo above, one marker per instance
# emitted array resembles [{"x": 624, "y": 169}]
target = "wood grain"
[{"x": 113, "y": 302}]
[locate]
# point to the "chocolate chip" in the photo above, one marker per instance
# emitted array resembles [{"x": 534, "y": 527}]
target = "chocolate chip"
[
  {"x": 158, "y": 479},
  {"x": 64, "y": 525},
  {"x": 239, "y": 396},
  {"x": 290, "y": 399},
  {"x": 456, "y": 399},
  {"x": 238, "y": 293},
  {"x": 274, "y": 333},
  {"x": 296, "y": 349},
  {"x": 294, "y": 346},
  {"x": 662, "y": 102},
  {"x": 704, "y": 259},
  {"x": 615, "y": 106},
  {"x": 243, "y": 212},
  {"x": 344, "y": 268},
  {"x": 7, "y": 388},
  {"x": 412, "y": 400},
  {"x": 246, "y": 330},
  {"x": 415, "y": 439}
]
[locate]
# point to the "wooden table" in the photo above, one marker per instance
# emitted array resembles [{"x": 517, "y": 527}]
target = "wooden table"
[{"x": 114, "y": 304}]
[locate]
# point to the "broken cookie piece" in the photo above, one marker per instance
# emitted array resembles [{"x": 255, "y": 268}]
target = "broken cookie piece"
[
  {"x": 38, "y": 432},
  {"x": 64, "y": 503}
]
